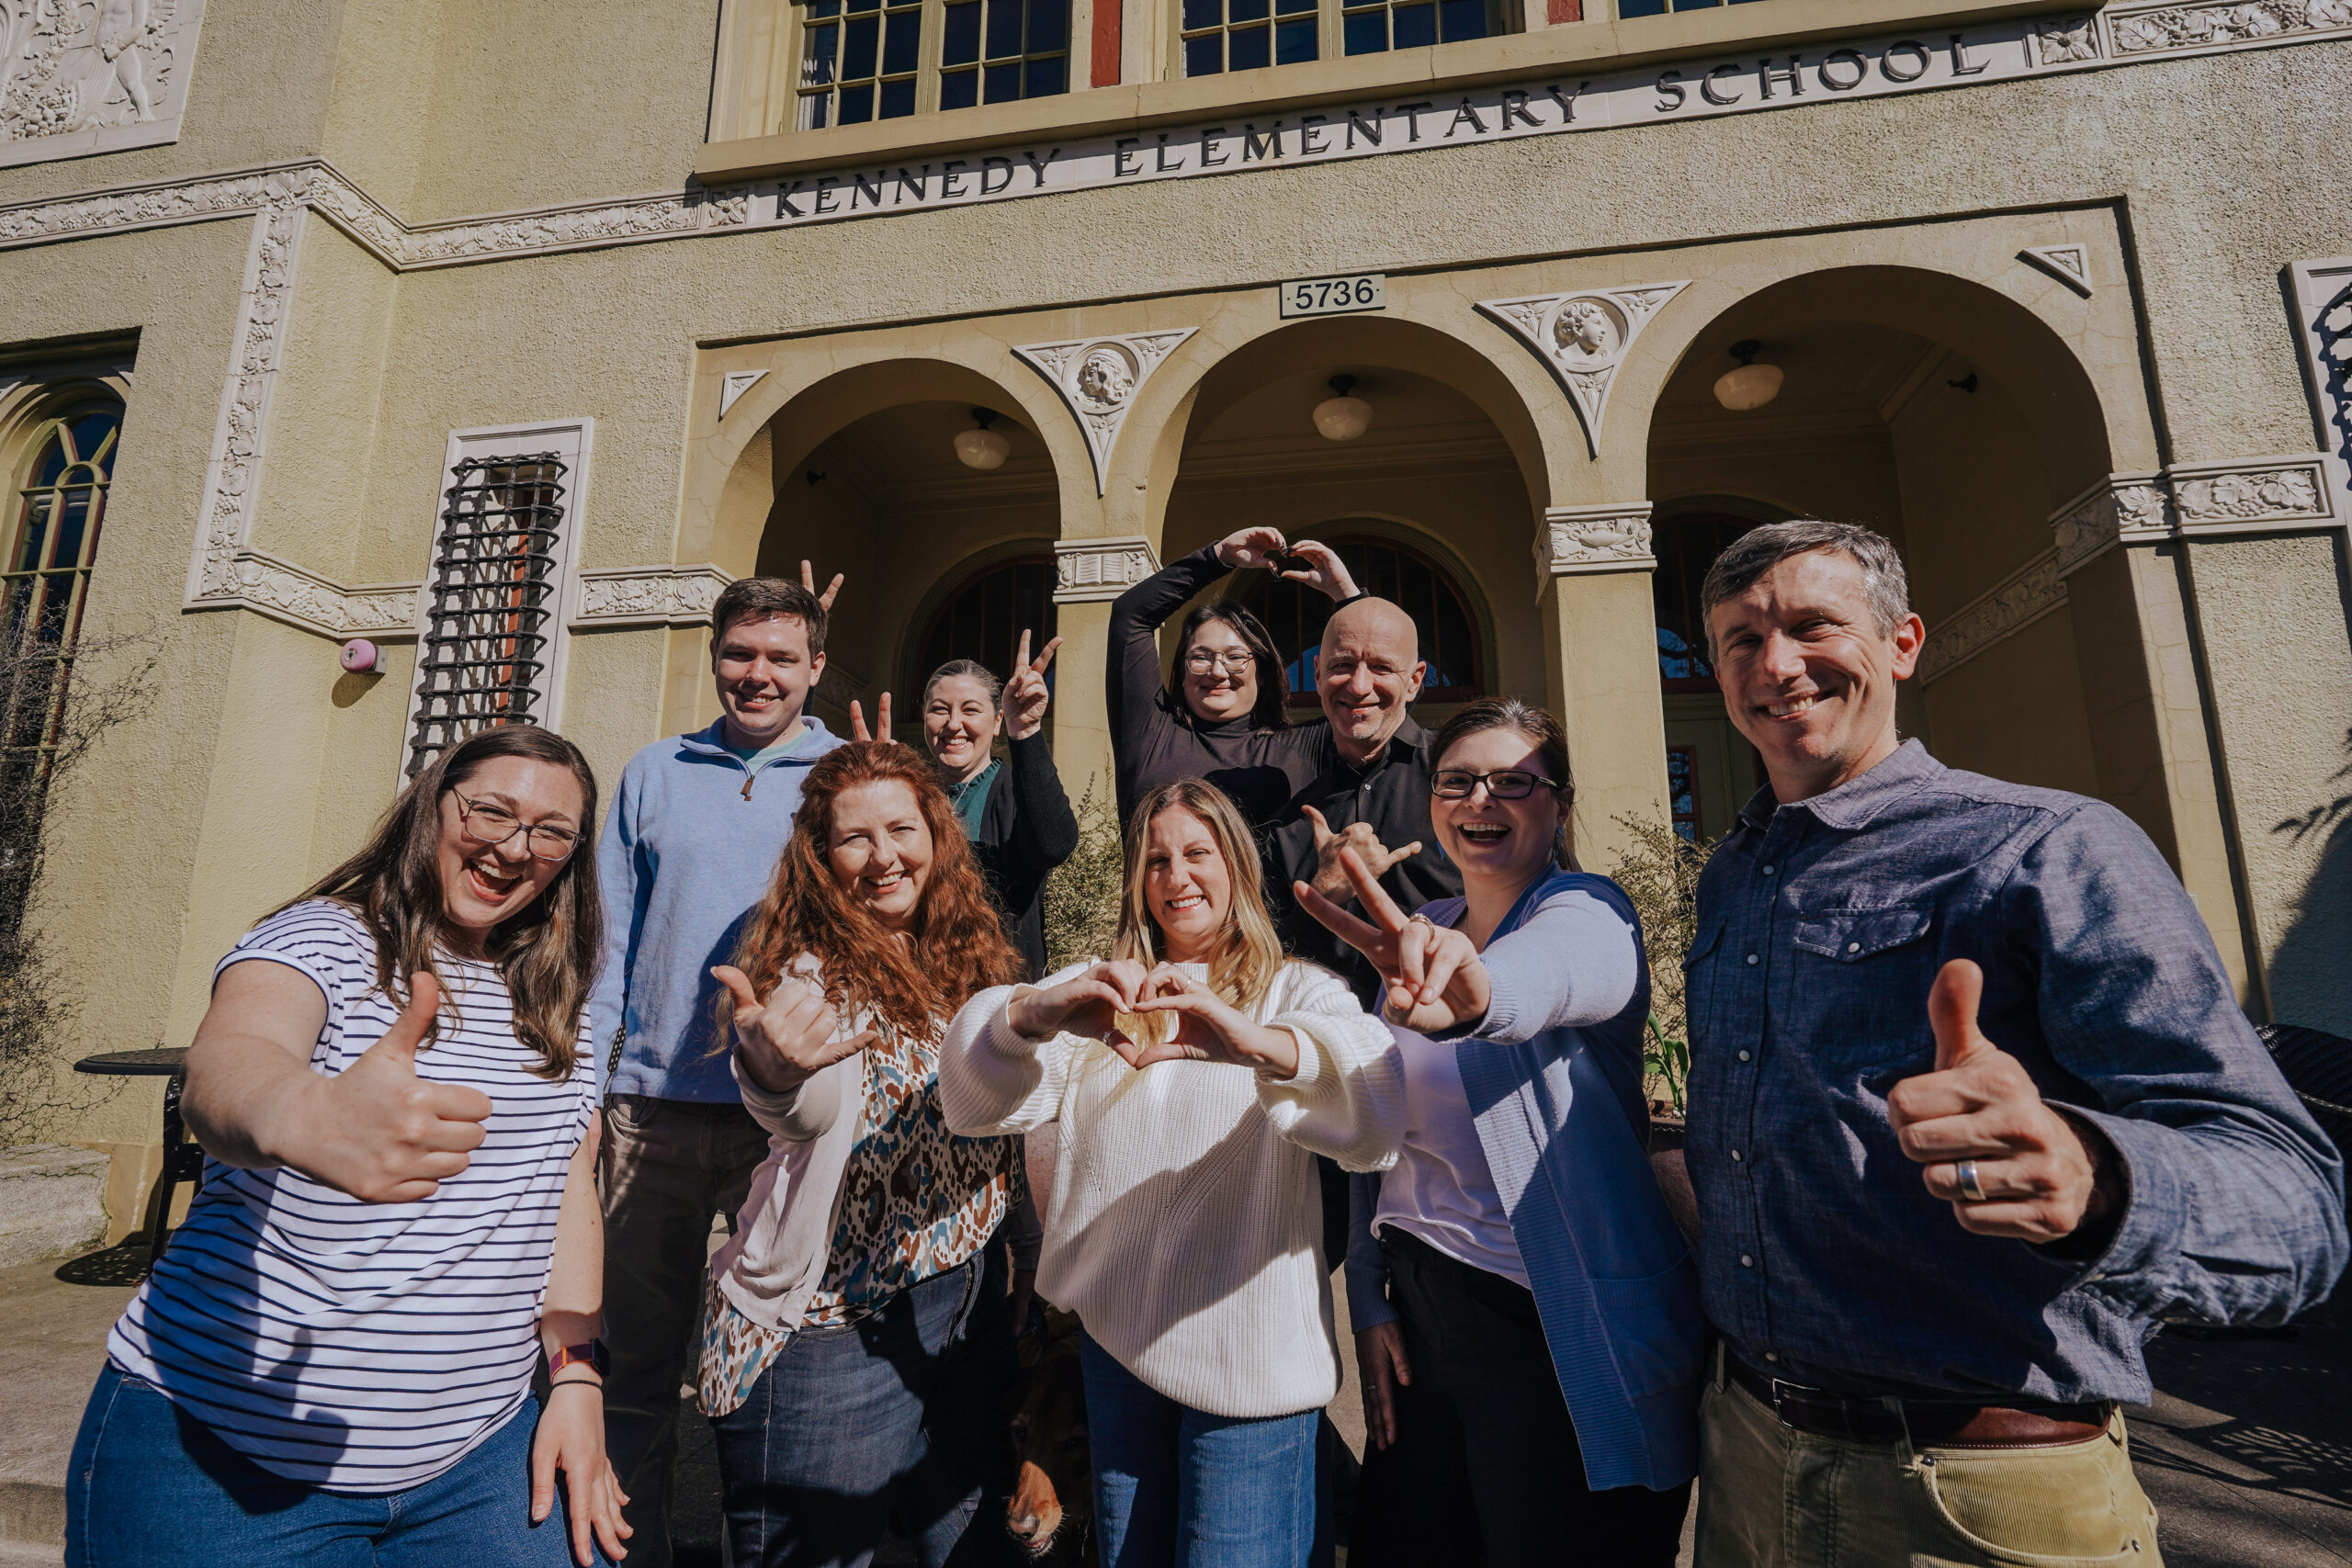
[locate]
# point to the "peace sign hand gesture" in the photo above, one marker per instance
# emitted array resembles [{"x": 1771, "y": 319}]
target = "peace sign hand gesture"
[
  {"x": 787, "y": 1040},
  {"x": 1207, "y": 1028},
  {"x": 1331, "y": 877},
  {"x": 808, "y": 581},
  {"x": 1435, "y": 977},
  {"x": 858, "y": 730},
  {"x": 1025, "y": 696}
]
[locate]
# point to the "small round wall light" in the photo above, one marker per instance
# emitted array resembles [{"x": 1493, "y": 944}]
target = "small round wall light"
[
  {"x": 1341, "y": 417},
  {"x": 982, "y": 448},
  {"x": 361, "y": 657},
  {"x": 1751, "y": 386}
]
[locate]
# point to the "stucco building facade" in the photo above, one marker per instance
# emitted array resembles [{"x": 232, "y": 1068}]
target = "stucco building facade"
[{"x": 510, "y": 331}]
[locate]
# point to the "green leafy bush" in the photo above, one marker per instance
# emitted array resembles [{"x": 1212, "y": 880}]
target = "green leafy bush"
[
  {"x": 1082, "y": 894},
  {"x": 1659, "y": 870}
]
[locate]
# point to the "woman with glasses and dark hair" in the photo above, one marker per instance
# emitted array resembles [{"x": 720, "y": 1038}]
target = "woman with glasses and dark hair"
[
  {"x": 398, "y": 1216},
  {"x": 1222, "y": 712},
  {"x": 1534, "y": 1358}
]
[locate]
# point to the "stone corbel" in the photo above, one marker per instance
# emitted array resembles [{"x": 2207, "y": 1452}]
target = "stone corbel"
[
  {"x": 2197, "y": 501},
  {"x": 287, "y": 593},
  {"x": 1583, "y": 338},
  {"x": 1090, "y": 571},
  {"x": 647, "y": 596},
  {"x": 1100, "y": 378},
  {"x": 1578, "y": 541}
]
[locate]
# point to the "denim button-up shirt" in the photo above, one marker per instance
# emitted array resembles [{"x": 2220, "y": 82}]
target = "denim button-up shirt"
[{"x": 1823, "y": 1258}]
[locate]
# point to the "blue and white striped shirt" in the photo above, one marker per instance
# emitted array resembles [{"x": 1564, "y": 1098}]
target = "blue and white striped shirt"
[{"x": 367, "y": 1347}]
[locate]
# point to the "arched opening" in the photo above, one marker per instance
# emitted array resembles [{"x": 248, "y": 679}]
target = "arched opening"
[
  {"x": 1944, "y": 416},
  {"x": 941, "y": 559},
  {"x": 1429, "y": 506}
]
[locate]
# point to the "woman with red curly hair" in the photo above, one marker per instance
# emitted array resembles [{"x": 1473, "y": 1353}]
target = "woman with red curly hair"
[{"x": 857, "y": 1341}]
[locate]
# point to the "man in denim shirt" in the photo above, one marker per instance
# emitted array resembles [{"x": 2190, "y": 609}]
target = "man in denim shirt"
[{"x": 1972, "y": 1106}]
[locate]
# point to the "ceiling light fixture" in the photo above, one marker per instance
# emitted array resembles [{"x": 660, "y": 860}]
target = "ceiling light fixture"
[
  {"x": 1751, "y": 386},
  {"x": 1341, "y": 417},
  {"x": 982, "y": 448}
]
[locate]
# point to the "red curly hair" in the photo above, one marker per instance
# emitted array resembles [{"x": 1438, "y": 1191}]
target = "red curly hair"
[{"x": 957, "y": 946}]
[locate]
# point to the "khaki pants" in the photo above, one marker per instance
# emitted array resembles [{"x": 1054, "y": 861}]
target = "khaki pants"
[
  {"x": 1770, "y": 1497},
  {"x": 668, "y": 1166}
]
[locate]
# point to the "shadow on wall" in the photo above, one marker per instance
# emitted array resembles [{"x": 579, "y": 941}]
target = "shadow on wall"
[{"x": 2310, "y": 976}]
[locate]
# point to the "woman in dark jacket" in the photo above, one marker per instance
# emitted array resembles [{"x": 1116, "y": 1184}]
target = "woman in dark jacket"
[
  {"x": 1219, "y": 714},
  {"x": 1014, "y": 812}
]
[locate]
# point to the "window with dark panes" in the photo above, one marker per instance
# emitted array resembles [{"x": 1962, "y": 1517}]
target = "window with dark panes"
[
  {"x": 995, "y": 51},
  {"x": 1414, "y": 24},
  {"x": 1682, "y": 790},
  {"x": 983, "y": 619},
  {"x": 858, "y": 60},
  {"x": 1660, "y": 7},
  {"x": 1243, "y": 35},
  {"x": 1294, "y": 616},
  {"x": 1686, "y": 547},
  {"x": 61, "y": 502}
]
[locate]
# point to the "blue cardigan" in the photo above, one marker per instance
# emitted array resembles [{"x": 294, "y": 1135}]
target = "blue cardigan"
[{"x": 1554, "y": 1075}]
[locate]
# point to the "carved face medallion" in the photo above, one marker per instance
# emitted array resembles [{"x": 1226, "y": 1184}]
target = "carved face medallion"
[
  {"x": 1105, "y": 377},
  {"x": 1587, "y": 334}
]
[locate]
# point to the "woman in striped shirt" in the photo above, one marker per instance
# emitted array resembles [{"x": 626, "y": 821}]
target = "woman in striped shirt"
[{"x": 333, "y": 1364}]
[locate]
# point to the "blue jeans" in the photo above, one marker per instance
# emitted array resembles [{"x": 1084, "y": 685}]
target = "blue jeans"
[
  {"x": 905, "y": 1412},
  {"x": 150, "y": 1486},
  {"x": 1175, "y": 1487}
]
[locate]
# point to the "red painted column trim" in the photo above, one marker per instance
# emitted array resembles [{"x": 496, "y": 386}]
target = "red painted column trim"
[
  {"x": 1558, "y": 11},
  {"x": 1107, "y": 18}
]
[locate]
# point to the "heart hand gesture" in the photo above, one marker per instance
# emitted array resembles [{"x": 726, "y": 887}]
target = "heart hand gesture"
[
  {"x": 1025, "y": 696},
  {"x": 1436, "y": 979},
  {"x": 1085, "y": 1004},
  {"x": 2007, "y": 1163},
  {"x": 1331, "y": 877},
  {"x": 1204, "y": 1027},
  {"x": 789, "y": 1039},
  {"x": 858, "y": 730},
  {"x": 1318, "y": 566},
  {"x": 389, "y": 1135},
  {"x": 1250, "y": 548}
]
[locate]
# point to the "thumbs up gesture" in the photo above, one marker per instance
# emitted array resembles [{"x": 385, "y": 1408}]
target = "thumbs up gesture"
[
  {"x": 2007, "y": 1163},
  {"x": 789, "y": 1039},
  {"x": 389, "y": 1136}
]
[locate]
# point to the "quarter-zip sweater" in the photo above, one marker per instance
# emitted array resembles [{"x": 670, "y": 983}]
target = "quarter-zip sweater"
[{"x": 687, "y": 851}]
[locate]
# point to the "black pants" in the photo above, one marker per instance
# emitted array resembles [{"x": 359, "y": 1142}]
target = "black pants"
[{"x": 1486, "y": 1467}]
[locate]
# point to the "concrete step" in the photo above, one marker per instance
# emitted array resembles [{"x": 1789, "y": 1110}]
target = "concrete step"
[
  {"x": 51, "y": 1202},
  {"x": 26, "y": 1554},
  {"x": 31, "y": 1513}
]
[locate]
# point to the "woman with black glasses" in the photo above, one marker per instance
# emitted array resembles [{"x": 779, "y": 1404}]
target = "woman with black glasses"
[
  {"x": 1538, "y": 1359},
  {"x": 1221, "y": 715}
]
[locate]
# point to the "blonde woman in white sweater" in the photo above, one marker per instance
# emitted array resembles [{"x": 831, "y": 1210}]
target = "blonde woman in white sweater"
[{"x": 1192, "y": 1076}]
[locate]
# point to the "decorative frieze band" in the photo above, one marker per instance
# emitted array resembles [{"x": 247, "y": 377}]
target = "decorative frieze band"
[
  {"x": 2024, "y": 597},
  {"x": 233, "y": 476},
  {"x": 285, "y": 592},
  {"x": 1090, "y": 571},
  {"x": 1579, "y": 540},
  {"x": 2192, "y": 500},
  {"x": 647, "y": 596}
]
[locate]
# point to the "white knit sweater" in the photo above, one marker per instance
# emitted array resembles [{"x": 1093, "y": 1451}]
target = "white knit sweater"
[{"x": 1185, "y": 1225}]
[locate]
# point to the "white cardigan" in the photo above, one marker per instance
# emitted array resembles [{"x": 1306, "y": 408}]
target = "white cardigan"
[{"x": 1186, "y": 1220}]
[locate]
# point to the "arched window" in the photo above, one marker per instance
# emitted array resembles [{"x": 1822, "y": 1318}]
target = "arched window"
[
  {"x": 983, "y": 620},
  {"x": 1294, "y": 616},
  {"x": 1686, "y": 547},
  {"x": 60, "y": 503}
]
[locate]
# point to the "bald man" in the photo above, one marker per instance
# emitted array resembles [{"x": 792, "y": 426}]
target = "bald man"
[{"x": 1371, "y": 789}]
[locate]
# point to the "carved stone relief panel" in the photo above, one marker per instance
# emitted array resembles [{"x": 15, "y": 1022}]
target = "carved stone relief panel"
[
  {"x": 2197, "y": 501},
  {"x": 648, "y": 596},
  {"x": 735, "y": 384},
  {"x": 2119, "y": 509},
  {"x": 1098, "y": 378},
  {"x": 2070, "y": 265},
  {"x": 82, "y": 76},
  {"x": 1583, "y": 338},
  {"x": 2148, "y": 29},
  {"x": 1093, "y": 570},
  {"x": 1578, "y": 540},
  {"x": 2033, "y": 591}
]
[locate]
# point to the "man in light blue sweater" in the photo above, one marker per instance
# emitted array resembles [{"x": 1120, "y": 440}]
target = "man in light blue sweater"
[{"x": 689, "y": 846}]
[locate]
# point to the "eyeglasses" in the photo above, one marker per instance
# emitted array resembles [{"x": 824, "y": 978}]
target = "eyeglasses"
[
  {"x": 1201, "y": 660},
  {"x": 490, "y": 825},
  {"x": 1510, "y": 784}
]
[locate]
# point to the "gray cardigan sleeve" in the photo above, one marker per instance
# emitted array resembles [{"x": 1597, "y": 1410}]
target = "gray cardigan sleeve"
[{"x": 1573, "y": 962}]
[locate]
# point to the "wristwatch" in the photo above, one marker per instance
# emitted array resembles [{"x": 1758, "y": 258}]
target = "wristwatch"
[{"x": 592, "y": 1354}]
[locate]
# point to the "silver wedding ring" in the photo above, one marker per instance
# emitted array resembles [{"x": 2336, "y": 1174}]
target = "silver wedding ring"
[{"x": 1964, "y": 1173}]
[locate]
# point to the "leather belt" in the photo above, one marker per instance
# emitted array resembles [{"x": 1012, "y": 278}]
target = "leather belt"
[{"x": 1925, "y": 1423}]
